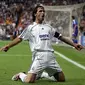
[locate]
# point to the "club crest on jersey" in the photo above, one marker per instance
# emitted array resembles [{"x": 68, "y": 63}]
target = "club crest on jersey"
[
  {"x": 44, "y": 37},
  {"x": 42, "y": 28}
]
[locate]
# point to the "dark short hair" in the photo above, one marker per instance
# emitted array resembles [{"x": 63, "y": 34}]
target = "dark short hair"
[
  {"x": 73, "y": 17},
  {"x": 35, "y": 10}
]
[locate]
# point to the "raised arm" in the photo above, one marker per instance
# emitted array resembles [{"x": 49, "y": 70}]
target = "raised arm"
[
  {"x": 68, "y": 41},
  {"x": 11, "y": 44}
]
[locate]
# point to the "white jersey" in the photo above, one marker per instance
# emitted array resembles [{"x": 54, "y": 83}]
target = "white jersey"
[{"x": 39, "y": 36}]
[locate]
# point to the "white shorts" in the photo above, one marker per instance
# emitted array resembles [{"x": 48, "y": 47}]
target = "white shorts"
[{"x": 44, "y": 61}]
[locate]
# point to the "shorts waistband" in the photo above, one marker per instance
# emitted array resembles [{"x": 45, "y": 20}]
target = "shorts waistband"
[{"x": 44, "y": 51}]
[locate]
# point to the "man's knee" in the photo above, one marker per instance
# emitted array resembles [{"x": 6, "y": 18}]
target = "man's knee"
[
  {"x": 59, "y": 76},
  {"x": 30, "y": 78}
]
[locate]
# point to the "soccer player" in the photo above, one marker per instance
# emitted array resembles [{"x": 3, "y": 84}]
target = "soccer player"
[
  {"x": 75, "y": 30},
  {"x": 39, "y": 36}
]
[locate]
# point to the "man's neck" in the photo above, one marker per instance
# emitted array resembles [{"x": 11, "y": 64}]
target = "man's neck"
[{"x": 38, "y": 22}]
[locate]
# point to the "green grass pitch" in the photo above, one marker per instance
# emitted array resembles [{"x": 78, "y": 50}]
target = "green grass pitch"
[{"x": 18, "y": 59}]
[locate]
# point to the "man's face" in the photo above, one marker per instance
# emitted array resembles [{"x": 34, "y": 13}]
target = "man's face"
[
  {"x": 40, "y": 14},
  {"x": 82, "y": 23}
]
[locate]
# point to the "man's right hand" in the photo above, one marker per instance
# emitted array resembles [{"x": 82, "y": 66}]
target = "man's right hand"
[{"x": 5, "y": 48}]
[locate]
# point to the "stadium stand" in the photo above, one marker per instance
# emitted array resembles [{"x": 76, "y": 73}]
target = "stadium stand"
[{"x": 8, "y": 13}]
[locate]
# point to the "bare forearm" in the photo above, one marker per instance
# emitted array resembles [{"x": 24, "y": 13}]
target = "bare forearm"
[
  {"x": 11, "y": 44},
  {"x": 14, "y": 42},
  {"x": 67, "y": 41}
]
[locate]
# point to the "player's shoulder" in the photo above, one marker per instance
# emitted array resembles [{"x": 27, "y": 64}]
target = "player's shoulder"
[
  {"x": 33, "y": 24},
  {"x": 48, "y": 25}
]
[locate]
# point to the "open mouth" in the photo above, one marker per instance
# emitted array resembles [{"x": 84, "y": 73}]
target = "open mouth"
[{"x": 43, "y": 16}]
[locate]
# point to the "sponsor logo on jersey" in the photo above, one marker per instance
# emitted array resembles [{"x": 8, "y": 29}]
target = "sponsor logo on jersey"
[{"x": 44, "y": 37}]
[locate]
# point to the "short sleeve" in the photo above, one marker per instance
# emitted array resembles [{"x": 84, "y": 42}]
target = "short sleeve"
[{"x": 25, "y": 34}]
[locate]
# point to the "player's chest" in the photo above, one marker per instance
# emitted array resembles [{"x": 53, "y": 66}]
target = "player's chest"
[{"x": 40, "y": 30}]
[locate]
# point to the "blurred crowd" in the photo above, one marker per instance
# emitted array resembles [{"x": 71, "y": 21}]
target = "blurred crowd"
[
  {"x": 44, "y": 2},
  {"x": 9, "y": 14}
]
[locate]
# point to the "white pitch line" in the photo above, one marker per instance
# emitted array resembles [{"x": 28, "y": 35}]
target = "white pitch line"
[
  {"x": 61, "y": 55},
  {"x": 69, "y": 60}
]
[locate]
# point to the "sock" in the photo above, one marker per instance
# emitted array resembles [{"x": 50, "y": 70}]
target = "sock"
[
  {"x": 45, "y": 75},
  {"x": 22, "y": 76}
]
